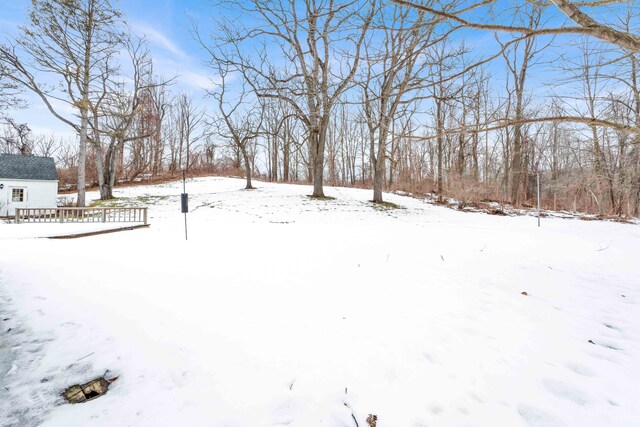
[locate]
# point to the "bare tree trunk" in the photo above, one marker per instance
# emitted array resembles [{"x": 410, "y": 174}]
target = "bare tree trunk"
[
  {"x": 440, "y": 149},
  {"x": 379, "y": 168},
  {"x": 317, "y": 143},
  {"x": 110, "y": 171},
  {"x": 82, "y": 158},
  {"x": 516, "y": 163},
  {"x": 247, "y": 168},
  {"x": 286, "y": 154}
]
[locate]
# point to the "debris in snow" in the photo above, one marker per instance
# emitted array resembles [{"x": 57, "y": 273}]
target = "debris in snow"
[
  {"x": 524, "y": 293},
  {"x": 591, "y": 342},
  {"x": 372, "y": 420},
  {"x": 497, "y": 211},
  {"x": 89, "y": 391}
]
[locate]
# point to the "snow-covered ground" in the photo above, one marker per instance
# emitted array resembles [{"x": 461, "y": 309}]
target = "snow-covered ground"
[
  {"x": 282, "y": 310},
  {"x": 40, "y": 230}
]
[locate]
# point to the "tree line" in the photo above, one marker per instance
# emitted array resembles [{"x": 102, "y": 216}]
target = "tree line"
[{"x": 471, "y": 100}]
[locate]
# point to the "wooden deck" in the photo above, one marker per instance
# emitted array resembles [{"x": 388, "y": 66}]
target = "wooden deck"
[{"x": 97, "y": 233}]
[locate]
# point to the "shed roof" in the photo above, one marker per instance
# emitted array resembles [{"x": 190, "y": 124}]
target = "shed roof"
[{"x": 14, "y": 166}]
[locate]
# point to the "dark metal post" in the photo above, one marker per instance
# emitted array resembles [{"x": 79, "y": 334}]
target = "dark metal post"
[
  {"x": 184, "y": 193},
  {"x": 538, "y": 182}
]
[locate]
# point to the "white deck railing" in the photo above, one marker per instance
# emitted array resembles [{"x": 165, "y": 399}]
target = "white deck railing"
[{"x": 49, "y": 215}]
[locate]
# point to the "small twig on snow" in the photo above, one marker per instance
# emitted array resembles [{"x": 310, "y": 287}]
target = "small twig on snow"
[
  {"x": 84, "y": 357},
  {"x": 352, "y": 414}
]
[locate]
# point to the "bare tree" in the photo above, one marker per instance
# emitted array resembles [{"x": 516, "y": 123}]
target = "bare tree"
[
  {"x": 443, "y": 60},
  {"x": 16, "y": 138},
  {"x": 278, "y": 133},
  {"x": 70, "y": 39},
  {"x": 623, "y": 39},
  {"x": 155, "y": 101},
  {"x": 118, "y": 111},
  {"x": 238, "y": 121},
  {"x": 310, "y": 36},
  {"x": 9, "y": 90},
  {"x": 586, "y": 25},
  {"x": 519, "y": 60},
  {"x": 393, "y": 72},
  {"x": 189, "y": 121},
  {"x": 46, "y": 146}
]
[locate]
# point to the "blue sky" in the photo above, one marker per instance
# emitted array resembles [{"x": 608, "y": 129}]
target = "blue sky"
[
  {"x": 165, "y": 23},
  {"x": 167, "y": 26}
]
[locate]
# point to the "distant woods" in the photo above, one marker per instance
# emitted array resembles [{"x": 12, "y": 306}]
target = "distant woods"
[{"x": 461, "y": 99}]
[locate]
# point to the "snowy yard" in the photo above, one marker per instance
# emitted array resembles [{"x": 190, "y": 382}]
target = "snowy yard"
[{"x": 282, "y": 310}]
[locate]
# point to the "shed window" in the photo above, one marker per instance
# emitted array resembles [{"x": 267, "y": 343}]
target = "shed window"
[{"x": 17, "y": 195}]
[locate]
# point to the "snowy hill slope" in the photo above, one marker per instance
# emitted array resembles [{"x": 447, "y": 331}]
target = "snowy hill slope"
[{"x": 282, "y": 310}]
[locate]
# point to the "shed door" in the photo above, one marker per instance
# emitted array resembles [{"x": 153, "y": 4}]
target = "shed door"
[{"x": 17, "y": 199}]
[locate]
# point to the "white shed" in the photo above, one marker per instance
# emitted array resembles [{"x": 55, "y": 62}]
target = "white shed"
[{"x": 27, "y": 182}]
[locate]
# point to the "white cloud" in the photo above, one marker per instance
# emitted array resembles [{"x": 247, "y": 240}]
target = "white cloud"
[
  {"x": 196, "y": 79},
  {"x": 158, "y": 38},
  {"x": 174, "y": 61}
]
